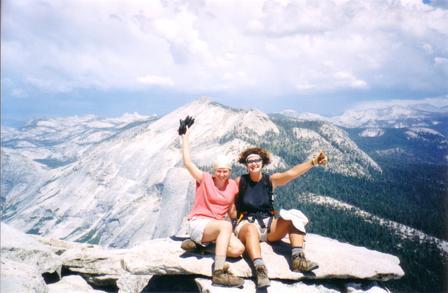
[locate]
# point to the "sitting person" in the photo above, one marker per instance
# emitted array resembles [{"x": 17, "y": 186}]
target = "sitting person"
[
  {"x": 206, "y": 221},
  {"x": 254, "y": 207}
]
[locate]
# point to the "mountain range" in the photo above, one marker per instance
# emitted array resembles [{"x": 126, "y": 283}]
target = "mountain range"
[
  {"x": 117, "y": 181},
  {"x": 120, "y": 181}
]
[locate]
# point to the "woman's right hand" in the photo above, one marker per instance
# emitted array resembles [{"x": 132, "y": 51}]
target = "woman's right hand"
[{"x": 185, "y": 124}]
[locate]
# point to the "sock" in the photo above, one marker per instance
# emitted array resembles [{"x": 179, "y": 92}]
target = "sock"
[
  {"x": 258, "y": 262},
  {"x": 297, "y": 250},
  {"x": 219, "y": 262}
]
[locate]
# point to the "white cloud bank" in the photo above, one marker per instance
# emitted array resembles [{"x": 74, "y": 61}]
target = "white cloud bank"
[
  {"x": 274, "y": 47},
  {"x": 438, "y": 102}
]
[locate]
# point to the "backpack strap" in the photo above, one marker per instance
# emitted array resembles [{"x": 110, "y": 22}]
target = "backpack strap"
[{"x": 267, "y": 182}]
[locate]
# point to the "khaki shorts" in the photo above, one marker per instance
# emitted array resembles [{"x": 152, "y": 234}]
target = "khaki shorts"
[
  {"x": 262, "y": 232},
  {"x": 196, "y": 227}
]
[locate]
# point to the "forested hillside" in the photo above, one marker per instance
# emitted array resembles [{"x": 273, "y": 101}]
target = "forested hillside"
[{"x": 405, "y": 191}]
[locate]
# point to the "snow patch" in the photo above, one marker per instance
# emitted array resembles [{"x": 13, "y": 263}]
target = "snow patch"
[{"x": 371, "y": 132}]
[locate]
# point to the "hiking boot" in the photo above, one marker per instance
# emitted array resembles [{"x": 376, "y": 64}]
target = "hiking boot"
[
  {"x": 225, "y": 278},
  {"x": 188, "y": 245},
  {"x": 262, "y": 276},
  {"x": 301, "y": 264}
]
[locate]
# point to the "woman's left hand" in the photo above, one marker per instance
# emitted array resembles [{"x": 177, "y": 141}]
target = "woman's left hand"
[{"x": 320, "y": 159}]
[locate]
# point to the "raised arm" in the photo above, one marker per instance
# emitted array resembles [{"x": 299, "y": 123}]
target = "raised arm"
[
  {"x": 280, "y": 179},
  {"x": 188, "y": 163}
]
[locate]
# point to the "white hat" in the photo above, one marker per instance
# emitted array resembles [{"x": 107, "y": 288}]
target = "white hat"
[
  {"x": 299, "y": 220},
  {"x": 222, "y": 162}
]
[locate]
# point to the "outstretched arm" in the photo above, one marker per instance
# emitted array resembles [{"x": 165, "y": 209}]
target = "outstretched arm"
[
  {"x": 188, "y": 163},
  {"x": 280, "y": 179}
]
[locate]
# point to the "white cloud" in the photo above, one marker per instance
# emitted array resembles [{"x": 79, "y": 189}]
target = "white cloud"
[
  {"x": 441, "y": 61},
  {"x": 378, "y": 104},
  {"x": 155, "y": 80},
  {"x": 350, "y": 80},
  {"x": 275, "y": 47}
]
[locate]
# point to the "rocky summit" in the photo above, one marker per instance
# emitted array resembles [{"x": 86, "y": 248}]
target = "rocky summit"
[{"x": 37, "y": 264}]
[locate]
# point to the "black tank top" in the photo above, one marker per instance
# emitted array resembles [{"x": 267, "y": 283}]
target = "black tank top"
[{"x": 254, "y": 198}]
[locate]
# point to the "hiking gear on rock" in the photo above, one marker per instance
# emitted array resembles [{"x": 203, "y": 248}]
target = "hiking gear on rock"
[
  {"x": 301, "y": 264},
  {"x": 225, "y": 278},
  {"x": 298, "y": 219},
  {"x": 262, "y": 276},
  {"x": 188, "y": 245},
  {"x": 183, "y": 124}
]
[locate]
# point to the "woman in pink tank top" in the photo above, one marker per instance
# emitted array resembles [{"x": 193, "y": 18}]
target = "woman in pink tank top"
[{"x": 214, "y": 196}]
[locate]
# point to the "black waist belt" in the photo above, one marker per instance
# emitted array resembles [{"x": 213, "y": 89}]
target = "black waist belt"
[{"x": 259, "y": 217}]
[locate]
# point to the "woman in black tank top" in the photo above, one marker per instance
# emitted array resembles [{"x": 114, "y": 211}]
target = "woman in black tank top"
[{"x": 254, "y": 208}]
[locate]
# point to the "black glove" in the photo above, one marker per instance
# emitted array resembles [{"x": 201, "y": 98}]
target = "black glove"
[
  {"x": 189, "y": 121},
  {"x": 183, "y": 124}
]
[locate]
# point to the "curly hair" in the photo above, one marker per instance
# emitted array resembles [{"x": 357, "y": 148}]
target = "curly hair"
[{"x": 264, "y": 154}]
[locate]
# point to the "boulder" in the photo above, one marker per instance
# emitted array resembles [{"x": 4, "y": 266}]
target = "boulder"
[
  {"x": 20, "y": 277},
  {"x": 343, "y": 267},
  {"x": 131, "y": 283},
  {"x": 20, "y": 247},
  {"x": 72, "y": 283},
  {"x": 336, "y": 260}
]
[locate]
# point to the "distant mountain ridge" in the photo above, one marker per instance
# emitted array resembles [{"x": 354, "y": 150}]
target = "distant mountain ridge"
[
  {"x": 412, "y": 132},
  {"x": 393, "y": 116}
]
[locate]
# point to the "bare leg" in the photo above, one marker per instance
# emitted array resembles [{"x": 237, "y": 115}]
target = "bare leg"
[
  {"x": 281, "y": 227},
  {"x": 220, "y": 232},
  {"x": 251, "y": 240},
  {"x": 235, "y": 248}
]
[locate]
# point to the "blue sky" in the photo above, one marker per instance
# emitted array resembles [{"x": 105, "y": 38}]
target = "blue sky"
[{"x": 106, "y": 58}]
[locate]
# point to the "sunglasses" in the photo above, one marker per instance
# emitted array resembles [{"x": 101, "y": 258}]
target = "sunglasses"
[{"x": 254, "y": 161}]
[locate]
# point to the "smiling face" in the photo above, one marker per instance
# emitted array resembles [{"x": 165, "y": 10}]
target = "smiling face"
[
  {"x": 254, "y": 163},
  {"x": 222, "y": 174}
]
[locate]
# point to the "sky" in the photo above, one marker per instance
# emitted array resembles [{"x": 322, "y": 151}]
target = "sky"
[{"x": 78, "y": 57}]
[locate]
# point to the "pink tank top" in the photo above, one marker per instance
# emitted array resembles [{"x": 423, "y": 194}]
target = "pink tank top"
[{"x": 210, "y": 202}]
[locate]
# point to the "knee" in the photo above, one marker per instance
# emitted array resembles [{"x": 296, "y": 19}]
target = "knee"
[
  {"x": 236, "y": 249},
  {"x": 251, "y": 232}
]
